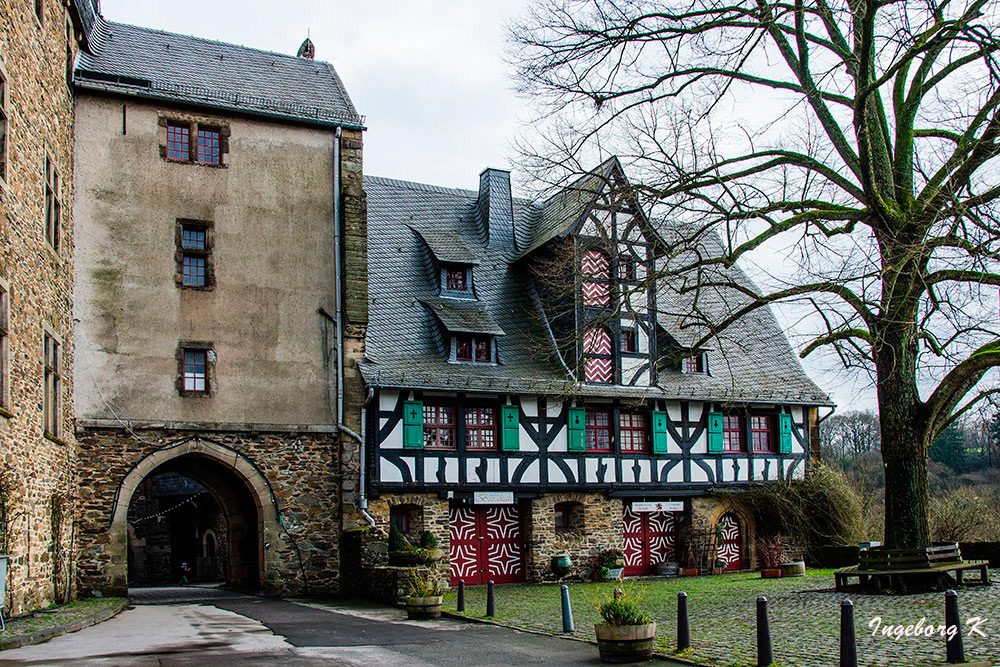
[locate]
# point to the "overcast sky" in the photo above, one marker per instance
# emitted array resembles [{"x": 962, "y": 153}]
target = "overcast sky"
[{"x": 428, "y": 75}]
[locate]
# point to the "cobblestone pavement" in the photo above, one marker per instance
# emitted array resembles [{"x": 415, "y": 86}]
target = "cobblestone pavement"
[
  {"x": 179, "y": 594},
  {"x": 804, "y": 616}
]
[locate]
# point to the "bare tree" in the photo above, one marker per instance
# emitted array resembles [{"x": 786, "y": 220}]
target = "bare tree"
[
  {"x": 842, "y": 151},
  {"x": 851, "y": 433}
]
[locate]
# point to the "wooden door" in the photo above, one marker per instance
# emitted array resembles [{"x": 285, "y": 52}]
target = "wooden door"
[
  {"x": 487, "y": 543},
  {"x": 731, "y": 542},
  {"x": 649, "y": 540}
]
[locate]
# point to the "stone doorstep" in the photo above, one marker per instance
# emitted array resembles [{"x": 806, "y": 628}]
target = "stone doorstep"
[
  {"x": 72, "y": 626},
  {"x": 667, "y": 657}
]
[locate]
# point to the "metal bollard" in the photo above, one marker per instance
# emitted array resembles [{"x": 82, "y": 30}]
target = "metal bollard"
[
  {"x": 567, "y": 610},
  {"x": 764, "y": 654},
  {"x": 461, "y": 596},
  {"x": 848, "y": 643},
  {"x": 954, "y": 650},
  {"x": 683, "y": 624},
  {"x": 491, "y": 602}
]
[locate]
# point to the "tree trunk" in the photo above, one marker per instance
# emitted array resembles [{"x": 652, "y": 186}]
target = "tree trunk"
[{"x": 905, "y": 441}]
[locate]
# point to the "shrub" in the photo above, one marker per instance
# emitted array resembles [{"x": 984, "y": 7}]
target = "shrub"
[
  {"x": 771, "y": 550},
  {"x": 622, "y": 608},
  {"x": 425, "y": 583},
  {"x": 396, "y": 540},
  {"x": 964, "y": 515},
  {"x": 611, "y": 558},
  {"x": 427, "y": 540}
]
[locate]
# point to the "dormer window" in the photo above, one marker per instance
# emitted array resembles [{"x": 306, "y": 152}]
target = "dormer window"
[
  {"x": 473, "y": 348},
  {"x": 456, "y": 280},
  {"x": 693, "y": 364}
]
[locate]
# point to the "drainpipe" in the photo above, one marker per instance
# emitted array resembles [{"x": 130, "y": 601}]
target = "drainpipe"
[{"x": 339, "y": 322}]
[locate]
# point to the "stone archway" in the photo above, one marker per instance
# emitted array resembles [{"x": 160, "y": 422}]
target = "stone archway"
[{"x": 236, "y": 484}]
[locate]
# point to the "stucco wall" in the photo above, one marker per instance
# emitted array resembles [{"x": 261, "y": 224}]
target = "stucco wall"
[{"x": 272, "y": 209}]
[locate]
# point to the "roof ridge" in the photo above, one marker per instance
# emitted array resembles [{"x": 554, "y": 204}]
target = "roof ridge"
[
  {"x": 421, "y": 187},
  {"x": 110, "y": 24}
]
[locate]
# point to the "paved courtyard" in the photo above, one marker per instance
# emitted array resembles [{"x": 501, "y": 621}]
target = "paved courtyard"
[{"x": 804, "y": 615}]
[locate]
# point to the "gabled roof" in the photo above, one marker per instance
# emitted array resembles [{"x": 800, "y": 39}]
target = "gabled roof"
[
  {"x": 751, "y": 362},
  {"x": 162, "y": 65}
]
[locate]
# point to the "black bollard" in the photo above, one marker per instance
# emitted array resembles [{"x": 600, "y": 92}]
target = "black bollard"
[
  {"x": 461, "y": 596},
  {"x": 683, "y": 624},
  {"x": 491, "y": 602},
  {"x": 567, "y": 610},
  {"x": 954, "y": 649},
  {"x": 848, "y": 643},
  {"x": 764, "y": 654}
]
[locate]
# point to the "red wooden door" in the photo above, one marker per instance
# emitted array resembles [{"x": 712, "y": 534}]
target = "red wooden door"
[
  {"x": 487, "y": 543},
  {"x": 731, "y": 542},
  {"x": 649, "y": 540}
]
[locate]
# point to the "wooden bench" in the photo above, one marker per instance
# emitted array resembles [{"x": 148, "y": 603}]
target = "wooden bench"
[{"x": 902, "y": 569}]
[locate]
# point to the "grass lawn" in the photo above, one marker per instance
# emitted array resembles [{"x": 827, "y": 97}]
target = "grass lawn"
[
  {"x": 55, "y": 615},
  {"x": 804, "y": 614}
]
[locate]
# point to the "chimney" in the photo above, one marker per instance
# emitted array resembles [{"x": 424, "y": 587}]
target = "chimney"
[
  {"x": 307, "y": 50},
  {"x": 494, "y": 208}
]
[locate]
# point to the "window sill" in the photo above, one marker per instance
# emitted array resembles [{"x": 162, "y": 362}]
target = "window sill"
[
  {"x": 195, "y": 394},
  {"x": 54, "y": 438},
  {"x": 196, "y": 288},
  {"x": 221, "y": 165}
]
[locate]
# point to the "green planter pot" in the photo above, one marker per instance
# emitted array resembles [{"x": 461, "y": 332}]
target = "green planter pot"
[
  {"x": 422, "y": 609},
  {"x": 625, "y": 643},
  {"x": 561, "y": 565}
]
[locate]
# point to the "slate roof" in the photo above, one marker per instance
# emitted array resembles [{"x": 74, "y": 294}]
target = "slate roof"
[
  {"x": 162, "y": 65},
  {"x": 751, "y": 362},
  {"x": 447, "y": 246},
  {"x": 463, "y": 316}
]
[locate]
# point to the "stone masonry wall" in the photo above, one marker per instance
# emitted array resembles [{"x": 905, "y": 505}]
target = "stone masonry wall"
[
  {"x": 435, "y": 518},
  {"x": 706, "y": 512},
  {"x": 599, "y": 528},
  {"x": 38, "y": 472},
  {"x": 303, "y": 556}
]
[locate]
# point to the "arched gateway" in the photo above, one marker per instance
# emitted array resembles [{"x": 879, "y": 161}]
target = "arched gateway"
[{"x": 243, "y": 495}]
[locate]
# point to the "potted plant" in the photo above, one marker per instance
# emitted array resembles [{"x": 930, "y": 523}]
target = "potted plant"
[
  {"x": 426, "y": 595},
  {"x": 719, "y": 566},
  {"x": 625, "y": 634},
  {"x": 792, "y": 568},
  {"x": 402, "y": 553},
  {"x": 771, "y": 551},
  {"x": 610, "y": 564}
]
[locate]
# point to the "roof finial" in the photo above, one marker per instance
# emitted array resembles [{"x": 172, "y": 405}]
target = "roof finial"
[{"x": 307, "y": 50}]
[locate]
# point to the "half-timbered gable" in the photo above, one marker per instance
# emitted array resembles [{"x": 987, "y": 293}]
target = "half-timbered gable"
[{"x": 521, "y": 359}]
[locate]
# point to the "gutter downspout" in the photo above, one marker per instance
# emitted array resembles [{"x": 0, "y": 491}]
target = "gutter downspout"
[{"x": 339, "y": 322}]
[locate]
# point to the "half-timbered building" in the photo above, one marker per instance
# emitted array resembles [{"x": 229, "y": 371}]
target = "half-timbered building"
[{"x": 533, "y": 392}]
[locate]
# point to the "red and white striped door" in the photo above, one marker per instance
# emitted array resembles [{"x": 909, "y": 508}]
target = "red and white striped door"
[
  {"x": 487, "y": 543},
  {"x": 649, "y": 540},
  {"x": 731, "y": 542}
]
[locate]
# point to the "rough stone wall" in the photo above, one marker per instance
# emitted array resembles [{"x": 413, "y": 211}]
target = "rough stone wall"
[
  {"x": 706, "y": 512},
  {"x": 303, "y": 555},
  {"x": 598, "y": 526},
  {"x": 435, "y": 517},
  {"x": 39, "y": 472}
]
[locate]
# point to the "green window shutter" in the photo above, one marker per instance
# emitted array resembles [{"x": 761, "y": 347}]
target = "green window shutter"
[
  {"x": 510, "y": 433},
  {"x": 659, "y": 432},
  {"x": 576, "y": 421},
  {"x": 413, "y": 425},
  {"x": 714, "y": 432},
  {"x": 784, "y": 433}
]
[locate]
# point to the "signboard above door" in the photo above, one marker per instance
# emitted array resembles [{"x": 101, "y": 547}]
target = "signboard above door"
[
  {"x": 493, "y": 498},
  {"x": 659, "y": 506}
]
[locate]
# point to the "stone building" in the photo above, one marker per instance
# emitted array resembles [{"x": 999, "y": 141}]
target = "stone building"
[
  {"x": 534, "y": 394},
  {"x": 38, "y": 43},
  {"x": 220, "y": 289}
]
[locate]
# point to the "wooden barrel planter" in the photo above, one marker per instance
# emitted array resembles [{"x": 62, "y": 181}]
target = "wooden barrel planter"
[
  {"x": 625, "y": 643},
  {"x": 796, "y": 568},
  {"x": 422, "y": 609}
]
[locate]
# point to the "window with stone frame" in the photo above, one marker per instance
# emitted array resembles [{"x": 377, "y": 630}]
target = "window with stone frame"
[
  {"x": 4, "y": 347},
  {"x": 598, "y": 433},
  {"x": 480, "y": 428},
  {"x": 569, "y": 518},
  {"x": 52, "y": 385},
  {"x": 733, "y": 439},
  {"x": 632, "y": 432},
  {"x": 196, "y": 368},
  {"x": 4, "y": 124},
  {"x": 762, "y": 433},
  {"x": 194, "y": 142},
  {"x": 439, "y": 427},
  {"x": 193, "y": 255},
  {"x": 53, "y": 204}
]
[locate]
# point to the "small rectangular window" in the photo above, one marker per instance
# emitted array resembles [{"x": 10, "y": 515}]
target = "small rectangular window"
[
  {"x": 482, "y": 349},
  {"x": 626, "y": 268},
  {"x": 761, "y": 433},
  {"x": 52, "y": 390},
  {"x": 633, "y": 431},
  {"x": 457, "y": 280},
  {"x": 439, "y": 427},
  {"x": 628, "y": 341},
  {"x": 480, "y": 428},
  {"x": 208, "y": 145},
  {"x": 463, "y": 348},
  {"x": 196, "y": 371},
  {"x": 194, "y": 255},
  {"x": 178, "y": 141},
  {"x": 53, "y": 205},
  {"x": 194, "y": 271},
  {"x": 694, "y": 364},
  {"x": 732, "y": 434},
  {"x": 598, "y": 431}
]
